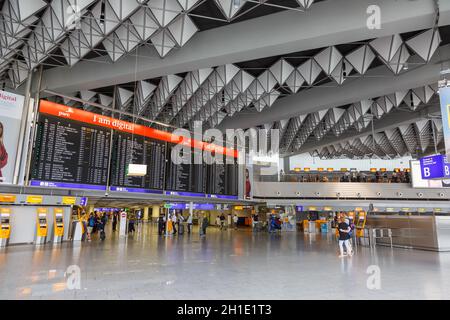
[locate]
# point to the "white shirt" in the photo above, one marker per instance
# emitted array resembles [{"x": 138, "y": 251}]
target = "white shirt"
[
  {"x": 235, "y": 219},
  {"x": 189, "y": 220},
  {"x": 174, "y": 218}
]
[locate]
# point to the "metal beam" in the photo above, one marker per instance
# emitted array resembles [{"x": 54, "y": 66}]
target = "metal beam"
[
  {"x": 393, "y": 120},
  {"x": 271, "y": 35},
  {"x": 375, "y": 83}
]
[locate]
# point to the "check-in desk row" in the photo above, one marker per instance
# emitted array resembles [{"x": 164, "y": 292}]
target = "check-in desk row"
[
  {"x": 426, "y": 232},
  {"x": 39, "y": 225}
]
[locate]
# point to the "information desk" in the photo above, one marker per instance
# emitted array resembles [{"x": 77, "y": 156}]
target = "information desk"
[{"x": 426, "y": 232}]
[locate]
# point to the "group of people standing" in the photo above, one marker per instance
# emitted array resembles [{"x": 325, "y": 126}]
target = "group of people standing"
[
  {"x": 96, "y": 222},
  {"x": 174, "y": 224}
]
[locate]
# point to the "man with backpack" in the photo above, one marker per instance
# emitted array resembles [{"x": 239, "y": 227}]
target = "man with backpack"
[
  {"x": 205, "y": 224},
  {"x": 90, "y": 226},
  {"x": 344, "y": 238}
]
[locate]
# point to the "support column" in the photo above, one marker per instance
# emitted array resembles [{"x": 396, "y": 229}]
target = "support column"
[
  {"x": 286, "y": 164},
  {"x": 155, "y": 213},
  {"x": 146, "y": 211},
  {"x": 23, "y": 125}
]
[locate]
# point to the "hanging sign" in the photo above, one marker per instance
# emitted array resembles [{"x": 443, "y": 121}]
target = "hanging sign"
[{"x": 434, "y": 167}]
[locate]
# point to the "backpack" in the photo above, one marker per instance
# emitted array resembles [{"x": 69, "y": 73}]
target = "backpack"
[{"x": 352, "y": 227}]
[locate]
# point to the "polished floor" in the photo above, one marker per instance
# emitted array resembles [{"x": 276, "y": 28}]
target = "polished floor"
[{"x": 224, "y": 265}]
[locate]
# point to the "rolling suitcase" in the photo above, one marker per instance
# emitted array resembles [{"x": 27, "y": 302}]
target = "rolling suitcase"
[
  {"x": 181, "y": 228},
  {"x": 102, "y": 235}
]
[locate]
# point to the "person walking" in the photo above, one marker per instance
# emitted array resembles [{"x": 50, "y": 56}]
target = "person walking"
[
  {"x": 189, "y": 224},
  {"x": 218, "y": 221},
  {"x": 131, "y": 223},
  {"x": 222, "y": 221},
  {"x": 174, "y": 223},
  {"x": 161, "y": 225},
  {"x": 205, "y": 223},
  {"x": 90, "y": 226},
  {"x": 344, "y": 238},
  {"x": 114, "y": 221},
  {"x": 101, "y": 223},
  {"x": 235, "y": 221}
]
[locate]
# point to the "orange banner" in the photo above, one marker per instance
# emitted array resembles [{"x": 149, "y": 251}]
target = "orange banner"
[{"x": 66, "y": 112}]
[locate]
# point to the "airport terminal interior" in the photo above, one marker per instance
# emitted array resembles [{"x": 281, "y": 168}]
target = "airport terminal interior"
[{"x": 224, "y": 149}]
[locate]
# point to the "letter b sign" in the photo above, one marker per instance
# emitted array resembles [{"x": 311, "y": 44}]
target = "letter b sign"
[{"x": 426, "y": 172}]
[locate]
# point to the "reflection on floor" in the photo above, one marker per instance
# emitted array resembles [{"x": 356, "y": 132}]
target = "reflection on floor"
[{"x": 224, "y": 265}]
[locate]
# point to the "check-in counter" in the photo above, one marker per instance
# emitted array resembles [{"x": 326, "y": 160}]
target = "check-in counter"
[{"x": 426, "y": 232}]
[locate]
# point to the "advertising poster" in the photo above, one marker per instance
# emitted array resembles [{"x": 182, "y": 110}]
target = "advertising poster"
[
  {"x": 248, "y": 176},
  {"x": 11, "y": 106}
]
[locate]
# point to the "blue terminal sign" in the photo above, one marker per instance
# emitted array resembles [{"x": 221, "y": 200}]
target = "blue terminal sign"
[
  {"x": 197, "y": 206},
  {"x": 434, "y": 167}
]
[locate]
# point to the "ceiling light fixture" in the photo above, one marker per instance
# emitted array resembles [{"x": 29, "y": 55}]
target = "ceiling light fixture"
[{"x": 236, "y": 3}]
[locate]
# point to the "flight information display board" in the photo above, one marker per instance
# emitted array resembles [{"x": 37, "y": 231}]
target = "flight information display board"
[
  {"x": 70, "y": 152},
  {"x": 72, "y": 149},
  {"x": 137, "y": 149},
  {"x": 223, "y": 177},
  {"x": 185, "y": 177}
]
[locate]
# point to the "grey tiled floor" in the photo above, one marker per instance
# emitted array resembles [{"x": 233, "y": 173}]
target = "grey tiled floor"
[{"x": 224, "y": 265}]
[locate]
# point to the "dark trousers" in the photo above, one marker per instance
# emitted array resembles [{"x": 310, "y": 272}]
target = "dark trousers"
[
  {"x": 189, "y": 226},
  {"x": 161, "y": 228},
  {"x": 174, "y": 228}
]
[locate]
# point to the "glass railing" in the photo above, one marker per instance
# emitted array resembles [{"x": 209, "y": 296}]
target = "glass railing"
[{"x": 324, "y": 177}]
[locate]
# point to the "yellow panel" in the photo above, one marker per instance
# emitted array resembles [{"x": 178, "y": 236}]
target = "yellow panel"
[
  {"x": 35, "y": 199},
  {"x": 7, "y": 198},
  {"x": 69, "y": 200},
  {"x": 5, "y": 210}
]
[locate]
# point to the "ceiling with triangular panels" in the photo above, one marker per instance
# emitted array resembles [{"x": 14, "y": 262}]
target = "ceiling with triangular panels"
[
  {"x": 64, "y": 32},
  {"x": 417, "y": 138},
  {"x": 210, "y": 95}
]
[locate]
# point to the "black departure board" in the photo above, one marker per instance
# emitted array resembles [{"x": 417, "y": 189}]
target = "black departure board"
[
  {"x": 223, "y": 176},
  {"x": 73, "y": 154},
  {"x": 199, "y": 173},
  {"x": 179, "y": 177},
  {"x": 137, "y": 149},
  {"x": 216, "y": 176},
  {"x": 231, "y": 177},
  {"x": 70, "y": 151}
]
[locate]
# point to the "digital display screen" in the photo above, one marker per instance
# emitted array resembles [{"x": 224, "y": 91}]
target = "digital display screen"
[
  {"x": 135, "y": 149},
  {"x": 75, "y": 153},
  {"x": 5, "y": 220},
  {"x": 59, "y": 219},
  {"x": 42, "y": 220},
  {"x": 70, "y": 151},
  {"x": 178, "y": 176}
]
